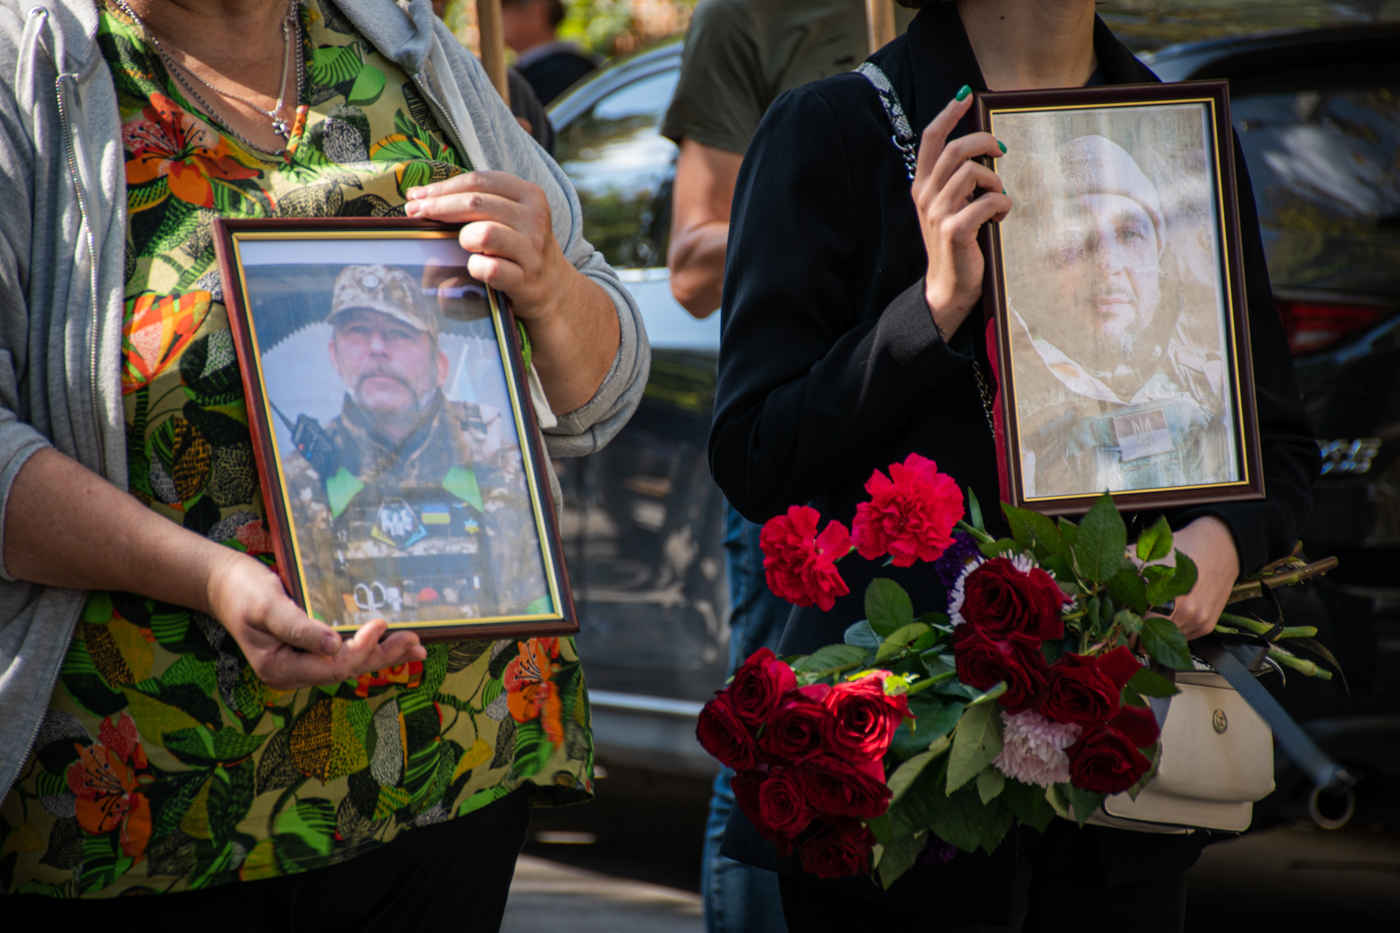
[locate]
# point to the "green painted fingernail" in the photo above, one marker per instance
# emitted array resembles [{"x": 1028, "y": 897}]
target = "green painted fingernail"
[{"x": 963, "y": 92}]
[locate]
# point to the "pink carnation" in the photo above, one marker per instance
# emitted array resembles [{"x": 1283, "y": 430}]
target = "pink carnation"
[
  {"x": 910, "y": 515},
  {"x": 1033, "y": 748}
]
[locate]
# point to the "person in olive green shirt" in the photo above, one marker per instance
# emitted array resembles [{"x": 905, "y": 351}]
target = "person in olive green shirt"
[{"x": 739, "y": 56}]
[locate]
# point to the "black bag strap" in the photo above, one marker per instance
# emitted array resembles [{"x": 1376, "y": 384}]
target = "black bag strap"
[{"x": 903, "y": 137}]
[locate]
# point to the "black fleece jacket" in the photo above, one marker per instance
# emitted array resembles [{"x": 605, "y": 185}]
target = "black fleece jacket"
[{"x": 830, "y": 364}]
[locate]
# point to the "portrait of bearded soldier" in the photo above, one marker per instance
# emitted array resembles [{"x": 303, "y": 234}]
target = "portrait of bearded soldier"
[
  {"x": 1111, "y": 393},
  {"x": 406, "y": 505}
]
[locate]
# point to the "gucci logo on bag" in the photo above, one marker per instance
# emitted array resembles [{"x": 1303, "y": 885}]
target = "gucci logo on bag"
[{"x": 1219, "y": 722}]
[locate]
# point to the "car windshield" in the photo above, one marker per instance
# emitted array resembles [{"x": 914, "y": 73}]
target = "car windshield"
[{"x": 1325, "y": 166}]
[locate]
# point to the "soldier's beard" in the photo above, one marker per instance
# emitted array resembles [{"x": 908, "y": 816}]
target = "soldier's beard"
[{"x": 395, "y": 423}]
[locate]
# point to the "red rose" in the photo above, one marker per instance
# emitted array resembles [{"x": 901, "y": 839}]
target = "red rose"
[
  {"x": 863, "y": 718},
  {"x": 748, "y": 793},
  {"x": 998, "y": 597},
  {"x": 983, "y": 662},
  {"x": 1106, "y": 759},
  {"x": 794, "y": 732},
  {"x": 782, "y": 808},
  {"x": 910, "y": 515},
  {"x": 758, "y": 685},
  {"x": 1088, "y": 689},
  {"x": 838, "y": 848},
  {"x": 839, "y": 788},
  {"x": 724, "y": 735},
  {"x": 800, "y": 564}
]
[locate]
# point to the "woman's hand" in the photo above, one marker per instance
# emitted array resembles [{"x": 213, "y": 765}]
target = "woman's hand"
[
  {"x": 286, "y": 648},
  {"x": 946, "y": 184},
  {"x": 1211, "y": 547},
  {"x": 508, "y": 229}
]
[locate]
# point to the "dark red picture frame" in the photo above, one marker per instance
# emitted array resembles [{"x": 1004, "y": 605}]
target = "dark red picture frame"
[
  {"x": 226, "y": 234},
  {"x": 1214, "y": 94}
]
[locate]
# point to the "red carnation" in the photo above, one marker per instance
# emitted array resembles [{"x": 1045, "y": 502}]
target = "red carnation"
[
  {"x": 1106, "y": 759},
  {"x": 1088, "y": 689},
  {"x": 800, "y": 564},
  {"x": 759, "y": 685},
  {"x": 910, "y": 515},
  {"x": 983, "y": 662},
  {"x": 724, "y": 735},
  {"x": 794, "y": 732},
  {"x": 838, "y": 848},
  {"x": 999, "y": 597},
  {"x": 863, "y": 718},
  {"x": 840, "y": 788}
]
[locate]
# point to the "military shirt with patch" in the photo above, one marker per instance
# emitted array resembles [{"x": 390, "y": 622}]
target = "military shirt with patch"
[{"x": 164, "y": 763}]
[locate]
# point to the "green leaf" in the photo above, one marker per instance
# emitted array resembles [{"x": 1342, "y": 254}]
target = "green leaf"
[
  {"x": 1083, "y": 802},
  {"x": 1152, "y": 684},
  {"x": 901, "y": 639},
  {"x": 1131, "y": 621},
  {"x": 990, "y": 784},
  {"x": 312, "y": 821},
  {"x": 903, "y": 777},
  {"x": 887, "y": 606},
  {"x": 1156, "y": 542},
  {"x": 1034, "y": 532},
  {"x": 1058, "y": 799},
  {"x": 1069, "y": 531},
  {"x": 532, "y": 749},
  {"x": 1028, "y": 803},
  {"x": 934, "y": 718},
  {"x": 367, "y": 88},
  {"x": 899, "y": 857},
  {"x": 1165, "y": 643},
  {"x": 1098, "y": 548},
  {"x": 974, "y": 511},
  {"x": 862, "y": 636},
  {"x": 333, "y": 65},
  {"x": 1131, "y": 698},
  {"x": 1127, "y": 588},
  {"x": 975, "y": 743},
  {"x": 1154, "y": 755},
  {"x": 989, "y": 696},
  {"x": 1165, "y": 583},
  {"x": 966, "y": 822},
  {"x": 921, "y": 803},
  {"x": 880, "y": 826},
  {"x": 824, "y": 659}
]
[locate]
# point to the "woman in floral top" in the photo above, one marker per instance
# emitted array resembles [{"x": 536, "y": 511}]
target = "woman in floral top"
[{"x": 204, "y": 733}]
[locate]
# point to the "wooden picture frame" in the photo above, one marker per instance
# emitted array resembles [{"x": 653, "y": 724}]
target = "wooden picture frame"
[
  {"x": 1116, "y": 290},
  {"x": 394, "y": 429}
]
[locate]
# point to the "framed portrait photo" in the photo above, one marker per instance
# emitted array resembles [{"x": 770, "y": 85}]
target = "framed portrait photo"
[
  {"x": 1116, "y": 288},
  {"x": 394, "y": 429}
]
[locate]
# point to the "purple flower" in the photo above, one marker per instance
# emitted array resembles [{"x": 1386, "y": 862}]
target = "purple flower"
[
  {"x": 936, "y": 851},
  {"x": 950, "y": 566}
]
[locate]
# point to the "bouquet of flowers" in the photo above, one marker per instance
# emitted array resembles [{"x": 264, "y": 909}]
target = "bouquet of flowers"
[{"x": 1025, "y": 699}]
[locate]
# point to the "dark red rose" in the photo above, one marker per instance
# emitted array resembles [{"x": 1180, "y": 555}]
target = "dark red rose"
[
  {"x": 1105, "y": 761},
  {"x": 782, "y": 807},
  {"x": 800, "y": 564},
  {"x": 1138, "y": 725},
  {"x": 983, "y": 662},
  {"x": 794, "y": 732},
  {"x": 748, "y": 794},
  {"x": 840, "y": 788},
  {"x": 1088, "y": 689},
  {"x": 910, "y": 515},
  {"x": 724, "y": 735},
  {"x": 759, "y": 685},
  {"x": 998, "y": 597},
  {"x": 862, "y": 718},
  {"x": 838, "y": 848}
]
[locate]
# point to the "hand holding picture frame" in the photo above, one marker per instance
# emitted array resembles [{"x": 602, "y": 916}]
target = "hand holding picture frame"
[
  {"x": 1116, "y": 288},
  {"x": 394, "y": 430}
]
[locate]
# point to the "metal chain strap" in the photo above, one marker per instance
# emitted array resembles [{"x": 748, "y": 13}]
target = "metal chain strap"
[{"x": 986, "y": 394}]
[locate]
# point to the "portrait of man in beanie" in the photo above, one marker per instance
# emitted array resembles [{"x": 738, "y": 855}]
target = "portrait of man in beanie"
[
  {"x": 418, "y": 499},
  {"x": 1115, "y": 309}
]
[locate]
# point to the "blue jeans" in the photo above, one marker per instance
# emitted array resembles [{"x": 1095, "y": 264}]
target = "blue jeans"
[{"x": 740, "y": 898}]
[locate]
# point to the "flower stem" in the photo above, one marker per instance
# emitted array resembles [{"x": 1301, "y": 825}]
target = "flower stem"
[{"x": 979, "y": 535}]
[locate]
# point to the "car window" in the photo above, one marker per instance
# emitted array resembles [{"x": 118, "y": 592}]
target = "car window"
[
  {"x": 622, "y": 167},
  {"x": 1326, "y": 176}
]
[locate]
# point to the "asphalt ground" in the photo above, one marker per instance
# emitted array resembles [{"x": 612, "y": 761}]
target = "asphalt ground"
[{"x": 629, "y": 862}]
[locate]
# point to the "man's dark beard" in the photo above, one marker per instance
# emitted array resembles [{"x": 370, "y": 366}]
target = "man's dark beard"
[
  {"x": 1097, "y": 352},
  {"x": 380, "y": 423}
]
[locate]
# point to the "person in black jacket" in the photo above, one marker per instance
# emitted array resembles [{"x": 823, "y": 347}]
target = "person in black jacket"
[{"x": 852, "y": 322}]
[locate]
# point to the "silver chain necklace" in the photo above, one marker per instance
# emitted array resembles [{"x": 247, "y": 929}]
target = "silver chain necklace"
[{"x": 280, "y": 126}]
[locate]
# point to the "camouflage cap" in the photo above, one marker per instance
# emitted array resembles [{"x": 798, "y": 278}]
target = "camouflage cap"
[{"x": 387, "y": 290}]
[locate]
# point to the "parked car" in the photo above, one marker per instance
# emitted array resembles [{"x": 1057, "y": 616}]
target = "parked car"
[{"x": 1318, "y": 115}]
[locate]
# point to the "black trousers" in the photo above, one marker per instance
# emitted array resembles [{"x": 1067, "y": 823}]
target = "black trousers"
[
  {"x": 1067, "y": 894},
  {"x": 455, "y": 875}
]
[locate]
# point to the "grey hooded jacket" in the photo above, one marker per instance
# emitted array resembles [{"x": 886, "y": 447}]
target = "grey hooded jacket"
[{"x": 62, "y": 260}]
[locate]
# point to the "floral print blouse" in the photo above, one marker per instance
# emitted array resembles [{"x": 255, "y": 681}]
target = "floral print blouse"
[{"x": 164, "y": 763}]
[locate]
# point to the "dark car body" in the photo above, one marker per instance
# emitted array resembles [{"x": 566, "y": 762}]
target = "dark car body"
[{"x": 1318, "y": 114}]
